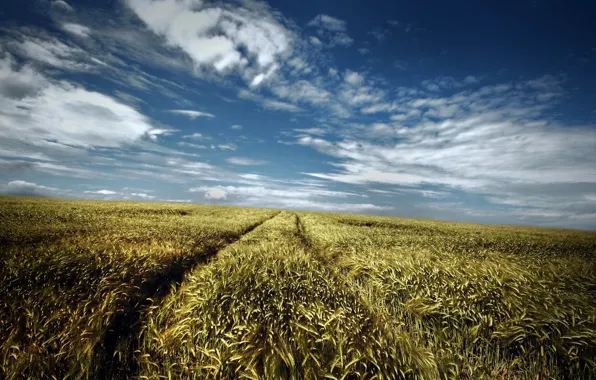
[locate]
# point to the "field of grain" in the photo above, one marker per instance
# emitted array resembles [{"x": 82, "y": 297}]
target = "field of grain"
[{"x": 93, "y": 289}]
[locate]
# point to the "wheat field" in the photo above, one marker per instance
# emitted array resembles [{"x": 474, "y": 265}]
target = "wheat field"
[{"x": 92, "y": 289}]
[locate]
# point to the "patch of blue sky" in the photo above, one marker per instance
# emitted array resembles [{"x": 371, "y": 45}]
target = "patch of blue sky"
[{"x": 456, "y": 111}]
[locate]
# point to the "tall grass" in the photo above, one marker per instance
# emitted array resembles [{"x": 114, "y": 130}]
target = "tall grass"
[
  {"x": 75, "y": 276},
  {"x": 486, "y": 301},
  {"x": 264, "y": 308}
]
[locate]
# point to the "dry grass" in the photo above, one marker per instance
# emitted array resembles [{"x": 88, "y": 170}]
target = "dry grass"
[{"x": 113, "y": 290}]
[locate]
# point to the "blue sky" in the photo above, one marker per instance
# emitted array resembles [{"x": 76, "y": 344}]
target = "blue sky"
[{"x": 468, "y": 111}]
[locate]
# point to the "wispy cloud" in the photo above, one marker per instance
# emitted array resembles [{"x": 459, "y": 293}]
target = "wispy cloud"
[
  {"x": 76, "y": 29},
  {"x": 329, "y": 23},
  {"x": 297, "y": 197},
  {"x": 192, "y": 114},
  {"x": 268, "y": 103},
  {"x": 227, "y": 147},
  {"x": 51, "y": 52},
  {"x": 312, "y": 131},
  {"x": 245, "y": 161},
  {"x": 20, "y": 187},
  {"x": 196, "y": 136},
  {"x": 332, "y": 30},
  {"x": 191, "y": 145},
  {"x": 480, "y": 140},
  {"x": 101, "y": 192}
]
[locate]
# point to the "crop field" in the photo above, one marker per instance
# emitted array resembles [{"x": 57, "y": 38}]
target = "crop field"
[{"x": 92, "y": 289}]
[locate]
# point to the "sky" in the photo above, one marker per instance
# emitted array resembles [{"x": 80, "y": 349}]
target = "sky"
[{"x": 461, "y": 110}]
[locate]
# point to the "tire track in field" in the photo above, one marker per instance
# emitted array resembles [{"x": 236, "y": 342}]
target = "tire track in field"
[
  {"x": 317, "y": 253},
  {"x": 126, "y": 326},
  {"x": 423, "y": 362},
  {"x": 377, "y": 320},
  {"x": 301, "y": 234}
]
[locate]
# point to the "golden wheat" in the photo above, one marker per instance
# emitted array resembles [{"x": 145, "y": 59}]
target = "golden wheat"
[{"x": 121, "y": 289}]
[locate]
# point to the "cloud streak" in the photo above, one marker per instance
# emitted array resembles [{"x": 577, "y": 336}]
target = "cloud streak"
[
  {"x": 192, "y": 114},
  {"x": 20, "y": 187},
  {"x": 244, "y": 161}
]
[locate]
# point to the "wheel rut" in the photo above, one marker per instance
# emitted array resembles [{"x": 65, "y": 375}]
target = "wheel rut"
[{"x": 126, "y": 326}]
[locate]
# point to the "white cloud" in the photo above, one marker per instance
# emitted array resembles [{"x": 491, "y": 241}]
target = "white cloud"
[
  {"x": 268, "y": 103},
  {"x": 236, "y": 127},
  {"x": 19, "y": 84},
  {"x": 496, "y": 140},
  {"x": 465, "y": 153},
  {"x": 340, "y": 39},
  {"x": 353, "y": 78},
  {"x": 62, "y": 6},
  {"x": 101, "y": 192},
  {"x": 365, "y": 175},
  {"x": 315, "y": 41},
  {"x": 376, "y": 108},
  {"x": 191, "y": 145},
  {"x": 470, "y": 79},
  {"x": 227, "y": 146},
  {"x": 193, "y": 165},
  {"x": 293, "y": 197},
  {"x": 155, "y": 132},
  {"x": 20, "y": 187},
  {"x": 126, "y": 194},
  {"x": 250, "y": 176},
  {"x": 212, "y": 36},
  {"x": 277, "y": 192},
  {"x": 302, "y": 91},
  {"x": 447, "y": 83},
  {"x": 52, "y": 52},
  {"x": 214, "y": 193},
  {"x": 333, "y": 73},
  {"x": 332, "y": 29},
  {"x": 196, "y": 136},
  {"x": 76, "y": 29},
  {"x": 243, "y": 161},
  {"x": 327, "y": 22},
  {"x": 64, "y": 113},
  {"x": 61, "y": 170},
  {"x": 143, "y": 196},
  {"x": 425, "y": 192},
  {"x": 263, "y": 76},
  {"x": 192, "y": 114},
  {"x": 306, "y": 204},
  {"x": 384, "y": 192},
  {"x": 312, "y": 131}
]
